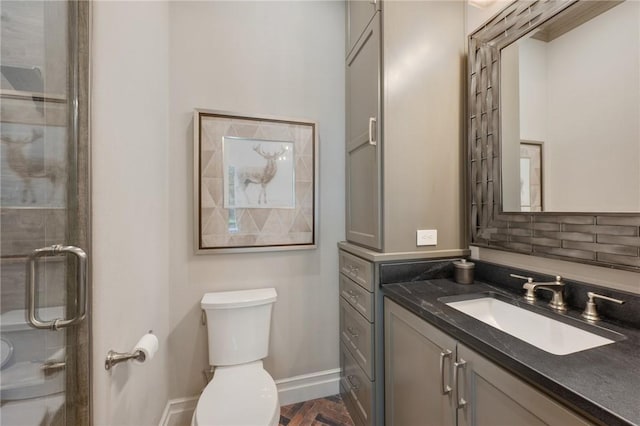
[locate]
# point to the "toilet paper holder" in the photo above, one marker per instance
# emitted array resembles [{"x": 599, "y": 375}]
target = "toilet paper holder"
[{"x": 114, "y": 358}]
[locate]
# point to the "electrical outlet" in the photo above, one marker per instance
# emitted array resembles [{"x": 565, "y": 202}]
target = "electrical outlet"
[{"x": 427, "y": 237}]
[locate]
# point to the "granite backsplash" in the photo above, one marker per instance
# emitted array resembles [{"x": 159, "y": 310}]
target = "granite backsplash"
[{"x": 498, "y": 275}]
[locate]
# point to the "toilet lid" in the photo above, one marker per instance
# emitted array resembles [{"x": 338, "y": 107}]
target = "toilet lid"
[{"x": 243, "y": 395}]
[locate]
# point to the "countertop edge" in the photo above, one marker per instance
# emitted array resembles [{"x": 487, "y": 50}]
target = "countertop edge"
[{"x": 374, "y": 256}]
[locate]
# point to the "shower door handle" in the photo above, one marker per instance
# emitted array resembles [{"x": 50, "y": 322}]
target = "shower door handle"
[{"x": 81, "y": 286}]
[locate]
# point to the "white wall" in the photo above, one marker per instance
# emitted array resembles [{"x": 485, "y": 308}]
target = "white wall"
[
  {"x": 277, "y": 58},
  {"x": 623, "y": 280},
  {"x": 510, "y": 101},
  {"x": 593, "y": 114},
  {"x": 579, "y": 95},
  {"x": 533, "y": 87},
  {"x": 130, "y": 206}
]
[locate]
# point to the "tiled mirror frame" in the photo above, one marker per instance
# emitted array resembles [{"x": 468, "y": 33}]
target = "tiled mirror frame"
[{"x": 603, "y": 239}]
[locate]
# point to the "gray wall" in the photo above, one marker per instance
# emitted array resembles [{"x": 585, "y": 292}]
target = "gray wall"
[
  {"x": 130, "y": 174},
  {"x": 278, "y": 58}
]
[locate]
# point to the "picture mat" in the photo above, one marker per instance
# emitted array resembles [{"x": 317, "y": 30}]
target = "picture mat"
[{"x": 245, "y": 169}]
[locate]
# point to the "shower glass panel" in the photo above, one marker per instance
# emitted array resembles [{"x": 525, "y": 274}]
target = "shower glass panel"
[{"x": 44, "y": 204}]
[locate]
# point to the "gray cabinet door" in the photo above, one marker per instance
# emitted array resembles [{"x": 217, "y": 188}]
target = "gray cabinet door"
[
  {"x": 363, "y": 154},
  {"x": 416, "y": 391},
  {"x": 359, "y": 14},
  {"x": 494, "y": 397}
]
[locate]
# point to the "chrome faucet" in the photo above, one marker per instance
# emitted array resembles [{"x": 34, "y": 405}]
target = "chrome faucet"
[
  {"x": 590, "y": 312},
  {"x": 556, "y": 287}
]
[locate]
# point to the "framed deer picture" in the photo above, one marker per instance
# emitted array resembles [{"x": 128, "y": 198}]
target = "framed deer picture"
[{"x": 255, "y": 183}]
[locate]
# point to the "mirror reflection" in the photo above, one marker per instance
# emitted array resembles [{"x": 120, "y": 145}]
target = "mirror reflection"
[{"x": 570, "y": 113}]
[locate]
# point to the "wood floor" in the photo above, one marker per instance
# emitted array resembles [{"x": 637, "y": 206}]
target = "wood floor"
[{"x": 329, "y": 411}]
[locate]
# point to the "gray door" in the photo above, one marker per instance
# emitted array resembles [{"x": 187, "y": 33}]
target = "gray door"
[
  {"x": 44, "y": 213},
  {"x": 363, "y": 156},
  {"x": 418, "y": 380},
  {"x": 359, "y": 14},
  {"x": 494, "y": 397}
]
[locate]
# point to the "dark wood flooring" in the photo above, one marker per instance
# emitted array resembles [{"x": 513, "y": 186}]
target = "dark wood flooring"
[{"x": 329, "y": 411}]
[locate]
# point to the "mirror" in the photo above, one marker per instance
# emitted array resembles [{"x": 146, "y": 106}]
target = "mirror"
[
  {"x": 571, "y": 205},
  {"x": 570, "y": 108}
]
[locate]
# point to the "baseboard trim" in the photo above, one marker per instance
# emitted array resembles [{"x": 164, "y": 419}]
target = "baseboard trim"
[
  {"x": 178, "y": 412},
  {"x": 308, "y": 386}
]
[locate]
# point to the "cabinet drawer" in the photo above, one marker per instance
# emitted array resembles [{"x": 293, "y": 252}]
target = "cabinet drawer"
[
  {"x": 359, "y": 270},
  {"x": 357, "y": 297},
  {"x": 351, "y": 405},
  {"x": 357, "y": 385},
  {"x": 356, "y": 333}
]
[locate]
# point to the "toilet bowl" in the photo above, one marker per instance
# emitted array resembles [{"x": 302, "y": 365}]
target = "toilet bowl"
[
  {"x": 241, "y": 392},
  {"x": 24, "y": 351},
  {"x": 241, "y": 395}
]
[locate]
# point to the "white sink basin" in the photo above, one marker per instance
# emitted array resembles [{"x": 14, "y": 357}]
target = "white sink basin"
[{"x": 538, "y": 330}]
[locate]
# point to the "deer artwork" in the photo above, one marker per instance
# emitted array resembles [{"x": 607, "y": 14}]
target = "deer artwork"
[
  {"x": 260, "y": 175},
  {"x": 27, "y": 168}
]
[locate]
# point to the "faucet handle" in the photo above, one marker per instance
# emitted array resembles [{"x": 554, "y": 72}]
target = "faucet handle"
[
  {"x": 529, "y": 279},
  {"x": 530, "y": 295},
  {"x": 590, "y": 311}
]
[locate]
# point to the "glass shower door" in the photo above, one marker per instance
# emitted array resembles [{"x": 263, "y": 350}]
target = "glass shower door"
[{"x": 44, "y": 205}]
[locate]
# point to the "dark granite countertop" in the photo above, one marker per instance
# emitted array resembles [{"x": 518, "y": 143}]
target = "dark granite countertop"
[{"x": 603, "y": 383}]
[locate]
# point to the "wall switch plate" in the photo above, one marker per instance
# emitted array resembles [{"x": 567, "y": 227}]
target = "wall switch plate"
[{"x": 427, "y": 237}]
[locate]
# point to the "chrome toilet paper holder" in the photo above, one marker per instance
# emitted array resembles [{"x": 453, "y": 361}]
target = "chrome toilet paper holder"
[{"x": 114, "y": 358}]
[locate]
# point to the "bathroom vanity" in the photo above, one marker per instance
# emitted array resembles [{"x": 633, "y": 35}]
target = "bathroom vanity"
[
  {"x": 446, "y": 366},
  {"x": 481, "y": 390},
  {"x": 407, "y": 356}
]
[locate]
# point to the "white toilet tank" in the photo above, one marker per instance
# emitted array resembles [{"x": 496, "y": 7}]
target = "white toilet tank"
[{"x": 238, "y": 324}]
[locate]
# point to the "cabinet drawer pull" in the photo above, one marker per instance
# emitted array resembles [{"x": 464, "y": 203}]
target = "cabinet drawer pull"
[
  {"x": 445, "y": 389},
  {"x": 352, "y": 295},
  {"x": 373, "y": 122},
  {"x": 353, "y": 381},
  {"x": 352, "y": 332},
  {"x": 460, "y": 401}
]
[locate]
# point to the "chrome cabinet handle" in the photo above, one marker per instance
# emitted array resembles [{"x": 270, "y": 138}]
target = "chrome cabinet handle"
[
  {"x": 351, "y": 378},
  {"x": 445, "y": 389},
  {"x": 81, "y": 286},
  {"x": 460, "y": 401},
  {"x": 373, "y": 122}
]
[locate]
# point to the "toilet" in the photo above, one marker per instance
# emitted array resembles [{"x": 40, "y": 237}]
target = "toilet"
[
  {"x": 29, "y": 397},
  {"x": 241, "y": 392}
]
